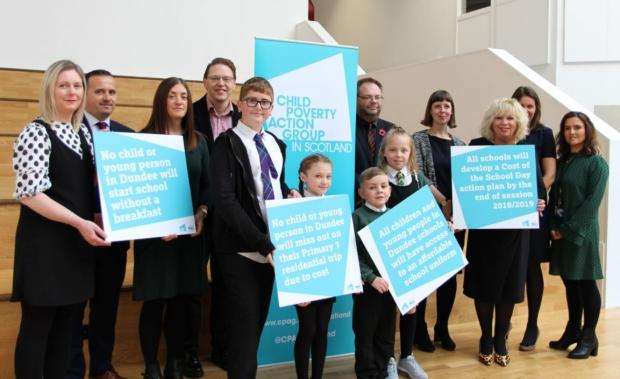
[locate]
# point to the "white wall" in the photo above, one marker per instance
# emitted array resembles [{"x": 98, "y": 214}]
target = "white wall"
[
  {"x": 391, "y": 33},
  {"x": 152, "y": 38},
  {"x": 590, "y": 70},
  {"x": 522, "y": 27}
]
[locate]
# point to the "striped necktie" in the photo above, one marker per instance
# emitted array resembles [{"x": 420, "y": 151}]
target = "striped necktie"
[
  {"x": 267, "y": 169},
  {"x": 372, "y": 145},
  {"x": 400, "y": 178}
]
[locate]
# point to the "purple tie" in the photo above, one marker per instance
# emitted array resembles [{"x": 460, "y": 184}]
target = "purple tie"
[{"x": 267, "y": 169}]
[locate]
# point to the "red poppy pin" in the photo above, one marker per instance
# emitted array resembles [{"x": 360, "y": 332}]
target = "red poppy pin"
[{"x": 381, "y": 132}]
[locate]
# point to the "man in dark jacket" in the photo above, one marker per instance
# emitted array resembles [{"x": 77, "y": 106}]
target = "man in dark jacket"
[
  {"x": 109, "y": 261},
  {"x": 214, "y": 113},
  {"x": 369, "y": 128}
]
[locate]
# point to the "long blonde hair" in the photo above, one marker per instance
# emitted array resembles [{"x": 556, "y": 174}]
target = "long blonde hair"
[
  {"x": 412, "y": 165},
  {"x": 47, "y": 104}
]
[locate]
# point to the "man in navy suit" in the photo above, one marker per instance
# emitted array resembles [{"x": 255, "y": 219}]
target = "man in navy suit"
[
  {"x": 369, "y": 128},
  {"x": 109, "y": 261}
]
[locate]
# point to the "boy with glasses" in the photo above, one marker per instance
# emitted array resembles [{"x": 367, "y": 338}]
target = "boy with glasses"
[{"x": 247, "y": 169}]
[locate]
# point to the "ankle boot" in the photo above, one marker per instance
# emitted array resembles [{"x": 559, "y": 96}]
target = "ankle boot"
[
  {"x": 571, "y": 335},
  {"x": 152, "y": 371},
  {"x": 174, "y": 369},
  {"x": 586, "y": 347}
]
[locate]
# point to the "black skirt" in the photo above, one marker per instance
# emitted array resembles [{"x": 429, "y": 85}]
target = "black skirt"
[{"x": 497, "y": 265}]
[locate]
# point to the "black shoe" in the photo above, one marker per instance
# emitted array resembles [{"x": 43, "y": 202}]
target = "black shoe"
[
  {"x": 443, "y": 339},
  {"x": 152, "y": 371},
  {"x": 218, "y": 358},
  {"x": 422, "y": 340},
  {"x": 528, "y": 343},
  {"x": 570, "y": 336},
  {"x": 192, "y": 368},
  {"x": 173, "y": 369},
  {"x": 586, "y": 347}
]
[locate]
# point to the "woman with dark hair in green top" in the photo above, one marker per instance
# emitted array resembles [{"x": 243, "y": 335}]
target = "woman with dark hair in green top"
[{"x": 575, "y": 198}]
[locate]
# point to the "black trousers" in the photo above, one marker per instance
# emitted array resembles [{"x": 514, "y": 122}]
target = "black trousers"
[
  {"x": 174, "y": 327},
  {"x": 43, "y": 342},
  {"x": 312, "y": 337},
  {"x": 374, "y": 324},
  {"x": 248, "y": 289},
  {"x": 218, "y": 314},
  {"x": 109, "y": 275},
  {"x": 194, "y": 320}
]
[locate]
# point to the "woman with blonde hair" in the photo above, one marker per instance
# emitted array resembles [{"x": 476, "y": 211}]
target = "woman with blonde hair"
[
  {"x": 495, "y": 276},
  {"x": 53, "y": 269}
]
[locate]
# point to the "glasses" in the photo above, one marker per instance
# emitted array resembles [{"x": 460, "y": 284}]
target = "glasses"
[
  {"x": 253, "y": 102},
  {"x": 371, "y": 97},
  {"x": 225, "y": 79}
]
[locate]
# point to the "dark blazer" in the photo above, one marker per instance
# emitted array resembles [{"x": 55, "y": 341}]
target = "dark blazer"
[
  {"x": 202, "y": 120},
  {"x": 363, "y": 159},
  {"x": 114, "y": 127},
  {"x": 238, "y": 224}
]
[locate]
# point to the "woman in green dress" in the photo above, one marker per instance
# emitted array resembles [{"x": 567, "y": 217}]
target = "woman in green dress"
[
  {"x": 168, "y": 271},
  {"x": 575, "y": 198}
]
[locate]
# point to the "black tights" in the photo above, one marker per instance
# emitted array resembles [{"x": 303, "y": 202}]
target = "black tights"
[
  {"x": 535, "y": 285},
  {"x": 582, "y": 297},
  {"x": 44, "y": 341},
  {"x": 503, "y": 314},
  {"x": 446, "y": 294},
  {"x": 312, "y": 335},
  {"x": 174, "y": 326}
]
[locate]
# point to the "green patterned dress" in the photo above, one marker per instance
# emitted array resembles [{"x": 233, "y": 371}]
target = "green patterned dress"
[{"x": 577, "y": 193}]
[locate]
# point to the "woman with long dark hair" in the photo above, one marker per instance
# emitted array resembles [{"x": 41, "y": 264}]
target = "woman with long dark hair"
[
  {"x": 169, "y": 271},
  {"x": 575, "y": 199},
  {"x": 542, "y": 138}
]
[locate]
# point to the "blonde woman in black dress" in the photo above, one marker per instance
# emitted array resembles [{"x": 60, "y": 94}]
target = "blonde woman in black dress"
[
  {"x": 495, "y": 276},
  {"x": 54, "y": 264}
]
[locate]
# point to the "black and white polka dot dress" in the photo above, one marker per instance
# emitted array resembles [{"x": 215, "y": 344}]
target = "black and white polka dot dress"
[{"x": 53, "y": 263}]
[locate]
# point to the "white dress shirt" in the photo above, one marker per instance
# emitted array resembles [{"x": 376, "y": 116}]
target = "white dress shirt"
[{"x": 247, "y": 137}]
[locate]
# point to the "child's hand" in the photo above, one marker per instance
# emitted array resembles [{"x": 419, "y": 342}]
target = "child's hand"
[
  {"x": 304, "y": 304},
  {"x": 540, "y": 206},
  {"x": 380, "y": 285},
  {"x": 411, "y": 311},
  {"x": 555, "y": 235},
  {"x": 293, "y": 194}
]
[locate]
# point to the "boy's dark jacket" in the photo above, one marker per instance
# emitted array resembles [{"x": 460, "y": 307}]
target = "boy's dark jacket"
[{"x": 238, "y": 225}]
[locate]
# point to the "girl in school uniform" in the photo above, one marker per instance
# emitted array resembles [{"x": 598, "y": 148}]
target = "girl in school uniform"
[
  {"x": 397, "y": 159},
  {"x": 315, "y": 178}
]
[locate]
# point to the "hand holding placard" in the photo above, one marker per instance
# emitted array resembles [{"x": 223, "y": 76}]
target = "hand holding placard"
[{"x": 413, "y": 249}]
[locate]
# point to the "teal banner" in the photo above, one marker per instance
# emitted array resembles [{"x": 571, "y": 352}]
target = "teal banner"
[{"x": 314, "y": 112}]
